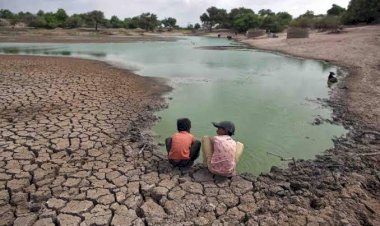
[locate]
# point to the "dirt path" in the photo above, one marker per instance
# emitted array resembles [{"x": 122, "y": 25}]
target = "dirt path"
[{"x": 73, "y": 151}]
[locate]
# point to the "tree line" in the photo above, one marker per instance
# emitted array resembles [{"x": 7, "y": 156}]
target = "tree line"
[
  {"x": 60, "y": 18},
  {"x": 358, "y": 11},
  {"x": 238, "y": 19},
  {"x": 243, "y": 19}
]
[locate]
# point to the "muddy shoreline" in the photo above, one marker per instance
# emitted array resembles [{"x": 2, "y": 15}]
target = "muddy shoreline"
[
  {"x": 55, "y": 171},
  {"x": 30, "y": 35}
]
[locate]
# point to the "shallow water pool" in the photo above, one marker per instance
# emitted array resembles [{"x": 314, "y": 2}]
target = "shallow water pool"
[{"x": 269, "y": 97}]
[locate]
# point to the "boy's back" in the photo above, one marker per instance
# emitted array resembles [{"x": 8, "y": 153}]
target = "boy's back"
[
  {"x": 180, "y": 146},
  {"x": 223, "y": 158},
  {"x": 183, "y": 149}
]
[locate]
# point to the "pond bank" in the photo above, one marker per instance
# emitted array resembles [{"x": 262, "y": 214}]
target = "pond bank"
[
  {"x": 68, "y": 157},
  {"x": 32, "y": 35}
]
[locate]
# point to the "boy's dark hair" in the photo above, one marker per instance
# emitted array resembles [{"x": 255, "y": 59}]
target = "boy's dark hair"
[{"x": 183, "y": 124}]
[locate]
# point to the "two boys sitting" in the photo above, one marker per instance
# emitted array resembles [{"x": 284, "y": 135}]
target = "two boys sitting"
[{"x": 220, "y": 153}]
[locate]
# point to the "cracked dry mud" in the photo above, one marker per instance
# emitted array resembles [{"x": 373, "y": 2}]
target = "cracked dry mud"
[{"x": 74, "y": 151}]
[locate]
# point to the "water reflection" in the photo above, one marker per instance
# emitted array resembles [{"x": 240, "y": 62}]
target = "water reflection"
[
  {"x": 10, "y": 50},
  {"x": 231, "y": 47},
  {"x": 49, "y": 51}
]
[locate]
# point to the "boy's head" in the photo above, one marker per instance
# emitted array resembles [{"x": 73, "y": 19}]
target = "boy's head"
[
  {"x": 183, "y": 124},
  {"x": 225, "y": 128}
]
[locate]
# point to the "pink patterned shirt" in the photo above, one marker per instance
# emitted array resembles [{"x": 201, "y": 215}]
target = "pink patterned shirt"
[{"x": 223, "y": 158}]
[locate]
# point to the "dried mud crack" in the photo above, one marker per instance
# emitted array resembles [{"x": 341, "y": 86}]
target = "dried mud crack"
[{"x": 71, "y": 153}]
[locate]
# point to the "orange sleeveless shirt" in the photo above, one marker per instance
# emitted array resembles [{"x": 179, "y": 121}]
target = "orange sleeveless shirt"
[{"x": 181, "y": 143}]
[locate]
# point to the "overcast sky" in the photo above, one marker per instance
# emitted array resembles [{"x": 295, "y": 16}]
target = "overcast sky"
[{"x": 185, "y": 11}]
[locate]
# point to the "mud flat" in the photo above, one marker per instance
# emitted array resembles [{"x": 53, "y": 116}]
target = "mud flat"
[
  {"x": 31, "y": 35},
  {"x": 75, "y": 150}
]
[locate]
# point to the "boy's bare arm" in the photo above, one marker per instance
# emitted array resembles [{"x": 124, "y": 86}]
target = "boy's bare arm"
[{"x": 212, "y": 140}]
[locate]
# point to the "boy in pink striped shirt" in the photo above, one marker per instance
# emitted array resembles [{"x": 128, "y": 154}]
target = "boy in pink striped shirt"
[{"x": 223, "y": 158}]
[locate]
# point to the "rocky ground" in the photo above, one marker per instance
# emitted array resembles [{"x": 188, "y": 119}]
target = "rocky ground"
[{"x": 74, "y": 151}]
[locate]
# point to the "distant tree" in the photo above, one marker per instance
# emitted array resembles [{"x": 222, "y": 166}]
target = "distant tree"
[
  {"x": 40, "y": 13},
  {"x": 335, "y": 10},
  {"x": 359, "y": 11},
  {"x": 96, "y": 17},
  {"x": 6, "y": 14},
  {"x": 245, "y": 21},
  {"x": 148, "y": 21},
  {"x": 234, "y": 13},
  {"x": 303, "y": 22},
  {"x": 306, "y": 20},
  {"x": 169, "y": 22},
  {"x": 26, "y": 18},
  {"x": 197, "y": 26},
  {"x": 206, "y": 21},
  {"x": 284, "y": 18},
  {"x": 218, "y": 16},
  {"x": 328, "y": 22},
  {"x": 266, "y": 12},
  {"x": 37, "y": 21},
  {"x": 51, "y": 20},
  {"x": 239, "y": 11},
  {"x": 61, "y": 17},
  {"x": 115, "y": 22},
  {"x": 74, "y": 21},
  {"x": 214, "y": 16},
  {"x": 190, "y": 27},
  {"x": 20, "y": 15},
  {"x": 131, "y": 23},
  {"x": 23, "y": 17},
  {"x": 271, "y": 24},
  {"x": 107, "y": 23},
  {"x": 308, "y": 14}
]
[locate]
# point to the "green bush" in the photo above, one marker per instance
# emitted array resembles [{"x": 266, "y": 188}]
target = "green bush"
[
  {"x": 243, "y": 22},
  {"x": 37, "y": 21},
  {"x": 328, "y": 23},
  {"x": 362, "y": 11},
  {"x": 303, "y": 22},
  {"x": 6, "y": 14},
  {"x": 336, "y": 10},
  {"x": 74, "y": 21},
  {"x": 51, "y": 21},
  {"x": 272, "y": 24},
  {"x": 115, "y": 22}
]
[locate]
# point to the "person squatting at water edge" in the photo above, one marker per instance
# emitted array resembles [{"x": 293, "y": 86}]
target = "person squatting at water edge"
[
  {"x": 182, "y": 147},
  {"x": 221, "y": 153}
]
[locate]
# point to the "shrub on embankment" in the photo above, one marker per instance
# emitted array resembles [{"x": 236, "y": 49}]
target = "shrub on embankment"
[{"x": 358, "y": 11}]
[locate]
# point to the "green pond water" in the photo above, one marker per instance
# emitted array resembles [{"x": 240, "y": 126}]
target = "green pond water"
[{"x": 269, "y": 97}]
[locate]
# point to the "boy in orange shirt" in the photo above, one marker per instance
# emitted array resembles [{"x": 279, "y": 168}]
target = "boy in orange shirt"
[{"x": 182, "y": 147}]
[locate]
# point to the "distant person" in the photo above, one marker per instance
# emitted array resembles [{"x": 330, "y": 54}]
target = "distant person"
[
  {"x": 182, "y": 147},
  {"x": 221, "y": 153},
  {"x": 331, "y": 78}
]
